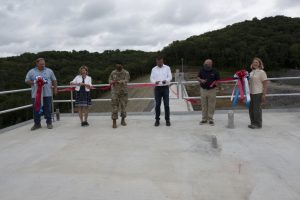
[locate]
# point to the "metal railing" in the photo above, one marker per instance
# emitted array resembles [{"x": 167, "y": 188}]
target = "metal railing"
[
  {"x": 71, "y": 100},
  {"x": 179, "y": 86},
  {"x": 233, "y": 81}
]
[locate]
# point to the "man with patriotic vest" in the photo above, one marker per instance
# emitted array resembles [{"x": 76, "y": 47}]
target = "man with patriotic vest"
[{"x": 41, "y": 79}]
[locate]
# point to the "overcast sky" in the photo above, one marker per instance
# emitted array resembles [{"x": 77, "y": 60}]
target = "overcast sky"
[{"x": 97, "y": 25}]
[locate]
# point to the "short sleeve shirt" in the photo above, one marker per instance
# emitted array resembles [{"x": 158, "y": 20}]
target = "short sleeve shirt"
[
  {"x": 47, "y": 75},
  {"x": 210, "y": 76},
  {"x": 257, "y": 77}
]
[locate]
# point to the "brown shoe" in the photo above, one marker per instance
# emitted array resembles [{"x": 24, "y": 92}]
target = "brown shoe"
[
  {"x": 114, "y": 123},
  {"x": 35, "y": 127},
  {"x": 123, "y": 123}
]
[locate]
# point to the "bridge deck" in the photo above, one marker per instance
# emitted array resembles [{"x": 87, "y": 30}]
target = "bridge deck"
[{"x": 140, "y": 161}]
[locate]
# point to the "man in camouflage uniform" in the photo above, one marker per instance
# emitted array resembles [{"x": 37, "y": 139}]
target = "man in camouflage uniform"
[{"x": 119, "y": 93}]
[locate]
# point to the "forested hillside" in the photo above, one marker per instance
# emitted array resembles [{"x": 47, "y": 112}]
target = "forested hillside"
[
  {"x": 274, "y": 39},
  {"x": 66, "y": 64}
]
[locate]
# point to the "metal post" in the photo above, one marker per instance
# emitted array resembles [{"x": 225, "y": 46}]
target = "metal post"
[
  {"x": 177, "y": 90},
  {"x": 57, "y": 114},
  {"x": 182, "y": 91},
  {"x": 72, "y": 106},
  {"x": 230, "y": 119},
  {"x": 52, "y": 109},
  {"x": 182, "y": 65},
  {"x": 214, "y": 141}
]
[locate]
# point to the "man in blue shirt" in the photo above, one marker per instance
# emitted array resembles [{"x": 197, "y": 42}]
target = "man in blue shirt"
[{"x": 47, "y": 76}]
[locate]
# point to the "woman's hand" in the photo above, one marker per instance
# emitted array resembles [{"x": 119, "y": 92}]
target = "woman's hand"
[
  {"x": 203, "y": 81},
  {"x": 263, "y": 99}
]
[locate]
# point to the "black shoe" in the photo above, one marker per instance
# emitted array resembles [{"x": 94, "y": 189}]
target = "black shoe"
[
  {"x": 168, "y": 123},
  {"x": 86, "y": 123},
  {"x": 203, "y": 122},
  {"x": 211, "y": 123},
  {"x": 82, "y": 124},
  {"x": 156, "y": 123},
  {"x": 252, "y": 126},
  {"x": 35, "y": 127}
]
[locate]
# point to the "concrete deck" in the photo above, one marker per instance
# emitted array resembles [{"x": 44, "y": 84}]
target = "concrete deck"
[{"x": 143, "y": 162}]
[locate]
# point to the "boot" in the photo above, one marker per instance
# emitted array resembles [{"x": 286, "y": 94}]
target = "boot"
[
  {"x": 123, "y": 123},
  {"x": 114, "y": 123}
]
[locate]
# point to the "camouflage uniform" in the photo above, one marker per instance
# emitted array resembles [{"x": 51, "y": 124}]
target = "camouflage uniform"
[{"x": 119, "y": 92}]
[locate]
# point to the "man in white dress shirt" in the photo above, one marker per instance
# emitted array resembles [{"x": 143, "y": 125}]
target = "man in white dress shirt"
[{"x": 161, "y": 75}]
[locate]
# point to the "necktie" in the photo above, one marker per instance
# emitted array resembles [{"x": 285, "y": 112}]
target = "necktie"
[{"x": 82, "y": 87}]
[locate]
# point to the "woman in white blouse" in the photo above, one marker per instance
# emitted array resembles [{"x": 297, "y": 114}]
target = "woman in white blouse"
[
  {"x": 258, "y": 90},
  {"x": 83, "y": 84}
]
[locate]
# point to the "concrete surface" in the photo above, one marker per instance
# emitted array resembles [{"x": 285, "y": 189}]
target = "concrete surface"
[{"x": 143, "y": 162}]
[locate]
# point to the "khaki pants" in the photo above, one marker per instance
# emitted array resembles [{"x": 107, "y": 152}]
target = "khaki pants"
[{"x": 208, "y": 103}]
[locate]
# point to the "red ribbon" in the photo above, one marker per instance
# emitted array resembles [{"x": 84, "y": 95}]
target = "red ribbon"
[
  {"x": 142, "y": 85},
  {"x": 109, "y": 87},
  {"x": 242, "y": 73},
  {"x": 130, "y": 86},
  {"x": 239, "y": 74},
  {"x": 224, "y": 80},
  {"x": 241, "y": 86},
  {"x": 37, "y": 102},
  {"x": 105, "y": 87},
  {"x": 66, "y": 89},
  {"x": 192, "y": 101}
]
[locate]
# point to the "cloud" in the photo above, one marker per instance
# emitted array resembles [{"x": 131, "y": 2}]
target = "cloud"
[
  {"x": 288, "y": 3},
  {"x": 97, "y": 25},
  {"x": 182, "y": 13},
  {"x": 97, "y": 9}
]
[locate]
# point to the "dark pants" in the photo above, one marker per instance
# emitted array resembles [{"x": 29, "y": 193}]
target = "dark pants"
[
  {"x": 47, "y": 109},
  {"x": 162, "y": 92},
  {"x": 255, "y": 111}
]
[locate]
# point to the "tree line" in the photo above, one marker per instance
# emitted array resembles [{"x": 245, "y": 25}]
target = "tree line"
[{"x": 276, "y": 40}]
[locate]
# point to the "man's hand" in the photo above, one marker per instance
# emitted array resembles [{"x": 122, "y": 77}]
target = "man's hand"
[
  {"x": 55, "y": 90},
  {"x": 30, "y": 83},
  {"x": 114, "y": 82}
]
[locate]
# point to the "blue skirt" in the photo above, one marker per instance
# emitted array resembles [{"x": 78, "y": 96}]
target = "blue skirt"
[{"x": 83, "y": 98}]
